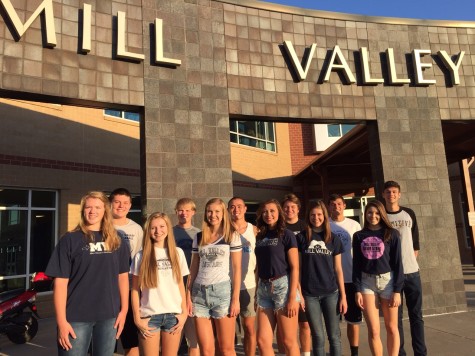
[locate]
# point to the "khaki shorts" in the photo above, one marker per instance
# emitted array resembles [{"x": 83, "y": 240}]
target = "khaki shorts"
[
  {"x": 247, "y": 298},
  {"x": 189, "y": 331}
]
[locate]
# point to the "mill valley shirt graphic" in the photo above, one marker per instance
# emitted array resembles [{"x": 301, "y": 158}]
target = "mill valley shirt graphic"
[
  {"x": 318, "y": 248},
  {"x": 209, "y": 257},
  {"x": 164, "y": 264},
  {"x": 96, "y": 248},
  {"x": 372, "y": 247}
]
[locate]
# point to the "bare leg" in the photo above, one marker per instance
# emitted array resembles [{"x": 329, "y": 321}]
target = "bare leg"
[
  {"x": 390, "y": 321},
  {"x": 288, "y": 326},
  {"x": 204, "y": 331},
  {"x": 265, "y": 331},
  {"x": 304, "y": 337},
  {"x": 249, "y": 335},
  {"x": 225, "y": 329},
  {"x": 170, "y": 343},
  {"x": 150, "y": 346},
  {"x": 371, "y": 314}
]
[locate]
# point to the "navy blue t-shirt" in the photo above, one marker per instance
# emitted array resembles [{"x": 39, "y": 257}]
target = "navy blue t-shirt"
[
  {"x": 319, "y": 276},
  {"x": 271, "y": 254},
  {"x": 93, "y": 287}
]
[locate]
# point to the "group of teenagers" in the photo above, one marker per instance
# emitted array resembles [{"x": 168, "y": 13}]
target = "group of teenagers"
[{"x": 283, "y": 276}]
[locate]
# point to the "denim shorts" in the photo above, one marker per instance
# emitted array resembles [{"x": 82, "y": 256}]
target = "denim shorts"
[
  {"x": 161, "y": 322},
  {"x": 211, "y": 300},
  {"x": 273, "y": 294},
  {"x": 380, "y": 284}
]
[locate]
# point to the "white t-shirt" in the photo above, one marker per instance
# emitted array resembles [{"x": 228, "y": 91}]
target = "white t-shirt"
[
  {"x": 215, "y": 259},
  {"x": 248, "y": 241},
  {"x": 345, "y": 230},
  {"x": 166, "y": 298},
  {"x": 132, "y": 234}
]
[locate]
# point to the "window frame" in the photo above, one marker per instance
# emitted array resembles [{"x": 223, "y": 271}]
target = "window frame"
[
  {"x": 269, "y": 143},
  {"x": 29, "y": 209}
]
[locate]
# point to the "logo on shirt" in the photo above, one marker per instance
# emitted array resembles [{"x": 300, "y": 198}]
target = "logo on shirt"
[
  {"x": 267, "y": 242},
  {"x": 344, "y": 237},
  {"x": 164, "y": 264},
  {"x": 246, "y": 246},
  {"x": 209, "y": 256},
  {"x": 318, "y": 247},
  {"x": 96, "y": 248},
  {"x": 372, "y": 247},
  {"x": 397, "y": 224}
]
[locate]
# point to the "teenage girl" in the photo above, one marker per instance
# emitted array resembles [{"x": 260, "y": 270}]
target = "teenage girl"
[
  {"x": 378, "y": 276},
  {"x": 158, "y": 293},
  {"x": 278, "y": 271},
  {"x": 322, "y": 283},
  {"x": 211, "y": 292},
  {"x": 90, "y": 270}
]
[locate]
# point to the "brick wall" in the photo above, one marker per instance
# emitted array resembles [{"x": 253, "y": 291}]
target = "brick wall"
[{"x": 301, "y": 145}]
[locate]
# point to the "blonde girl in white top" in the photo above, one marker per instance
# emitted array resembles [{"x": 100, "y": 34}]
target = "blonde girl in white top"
[{"x": 158, "y": 293}]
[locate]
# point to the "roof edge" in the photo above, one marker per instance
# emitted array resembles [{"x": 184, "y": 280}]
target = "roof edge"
[{"x": 262, "y": 5}]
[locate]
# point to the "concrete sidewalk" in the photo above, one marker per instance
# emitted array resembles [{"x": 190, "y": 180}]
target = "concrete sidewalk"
[{"x": 448, "y": 334}]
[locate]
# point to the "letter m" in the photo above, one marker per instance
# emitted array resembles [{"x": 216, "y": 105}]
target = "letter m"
[
  {"x": 94, "y": 247},
  {"x": 46, "y": 6}
]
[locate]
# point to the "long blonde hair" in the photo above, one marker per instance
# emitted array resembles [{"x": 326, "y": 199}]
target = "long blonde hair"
[
  {"x": 109, "y": 234},
  {"x": 226, "y": 225},
  {"x": 148, "y": 275}
]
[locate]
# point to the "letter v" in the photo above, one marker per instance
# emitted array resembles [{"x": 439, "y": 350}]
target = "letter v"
[{"x": 301, "y": 72}]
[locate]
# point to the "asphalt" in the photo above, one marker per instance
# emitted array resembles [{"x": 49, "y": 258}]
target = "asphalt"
[{"x": 447, "y": 334}]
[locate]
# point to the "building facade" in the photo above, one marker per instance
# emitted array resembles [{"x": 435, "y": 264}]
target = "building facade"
[{"x": 189, "y": 66}]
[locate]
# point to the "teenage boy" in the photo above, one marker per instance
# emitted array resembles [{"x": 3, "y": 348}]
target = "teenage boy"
[
  {"x": 291, "y": 206},
  {"x": 184, "y": 233},
  {"x": 404, "y": 220},
  {"x": 237, "y": 209},
  {"x": 345, "y": 228},
  {"x": 132, "y": 235}
]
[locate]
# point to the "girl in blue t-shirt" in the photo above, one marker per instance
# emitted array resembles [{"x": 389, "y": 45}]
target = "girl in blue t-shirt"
[
  {"x": 278, "y": 271},
  {"x": 90, "y": 267},
  {"x": 322, "y": 283},
  {"x": 158, "y": 293}
]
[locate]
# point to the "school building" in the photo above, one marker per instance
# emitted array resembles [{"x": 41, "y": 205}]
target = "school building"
[{"x": 206, "y": 98}]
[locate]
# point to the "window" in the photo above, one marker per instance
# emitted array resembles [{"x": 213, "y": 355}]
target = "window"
[
  {"x": 338, "y": 130},
  {"x": 258, "y": 134},
  {"x": 126, "y": 115},
  {"x": 28, "y": 230}
]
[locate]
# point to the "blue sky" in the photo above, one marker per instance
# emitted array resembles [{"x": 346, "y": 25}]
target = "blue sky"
[{"x": 418, "y": 9}]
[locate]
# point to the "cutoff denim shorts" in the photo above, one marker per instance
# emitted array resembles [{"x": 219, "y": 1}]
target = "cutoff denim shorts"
[
  {"x": 162, "y": 322},
  {"x": 211, "y": 300},
  {"x": 380, "y": 284},
  {"x": 273, "y": 294}
]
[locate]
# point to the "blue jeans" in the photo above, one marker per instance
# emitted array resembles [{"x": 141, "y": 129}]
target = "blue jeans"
[
  {"x": 326, "y": 306},
  {"x": 102, "y": 334},
  {"x": 412, "y": 290}
]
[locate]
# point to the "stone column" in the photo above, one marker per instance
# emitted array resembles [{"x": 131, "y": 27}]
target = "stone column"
[
  {"x": 185, "y": 133},
  {"x": 413, "y": 154}
]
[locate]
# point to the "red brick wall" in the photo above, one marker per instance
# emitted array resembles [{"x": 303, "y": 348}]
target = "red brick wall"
[{"x": 301, "y": 145}]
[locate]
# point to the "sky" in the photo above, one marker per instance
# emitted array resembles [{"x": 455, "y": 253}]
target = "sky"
[{"x": 418, "y": 9}]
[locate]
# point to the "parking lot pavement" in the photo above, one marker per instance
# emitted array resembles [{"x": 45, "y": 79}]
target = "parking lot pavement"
[{"x": 446, "y": 335}]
